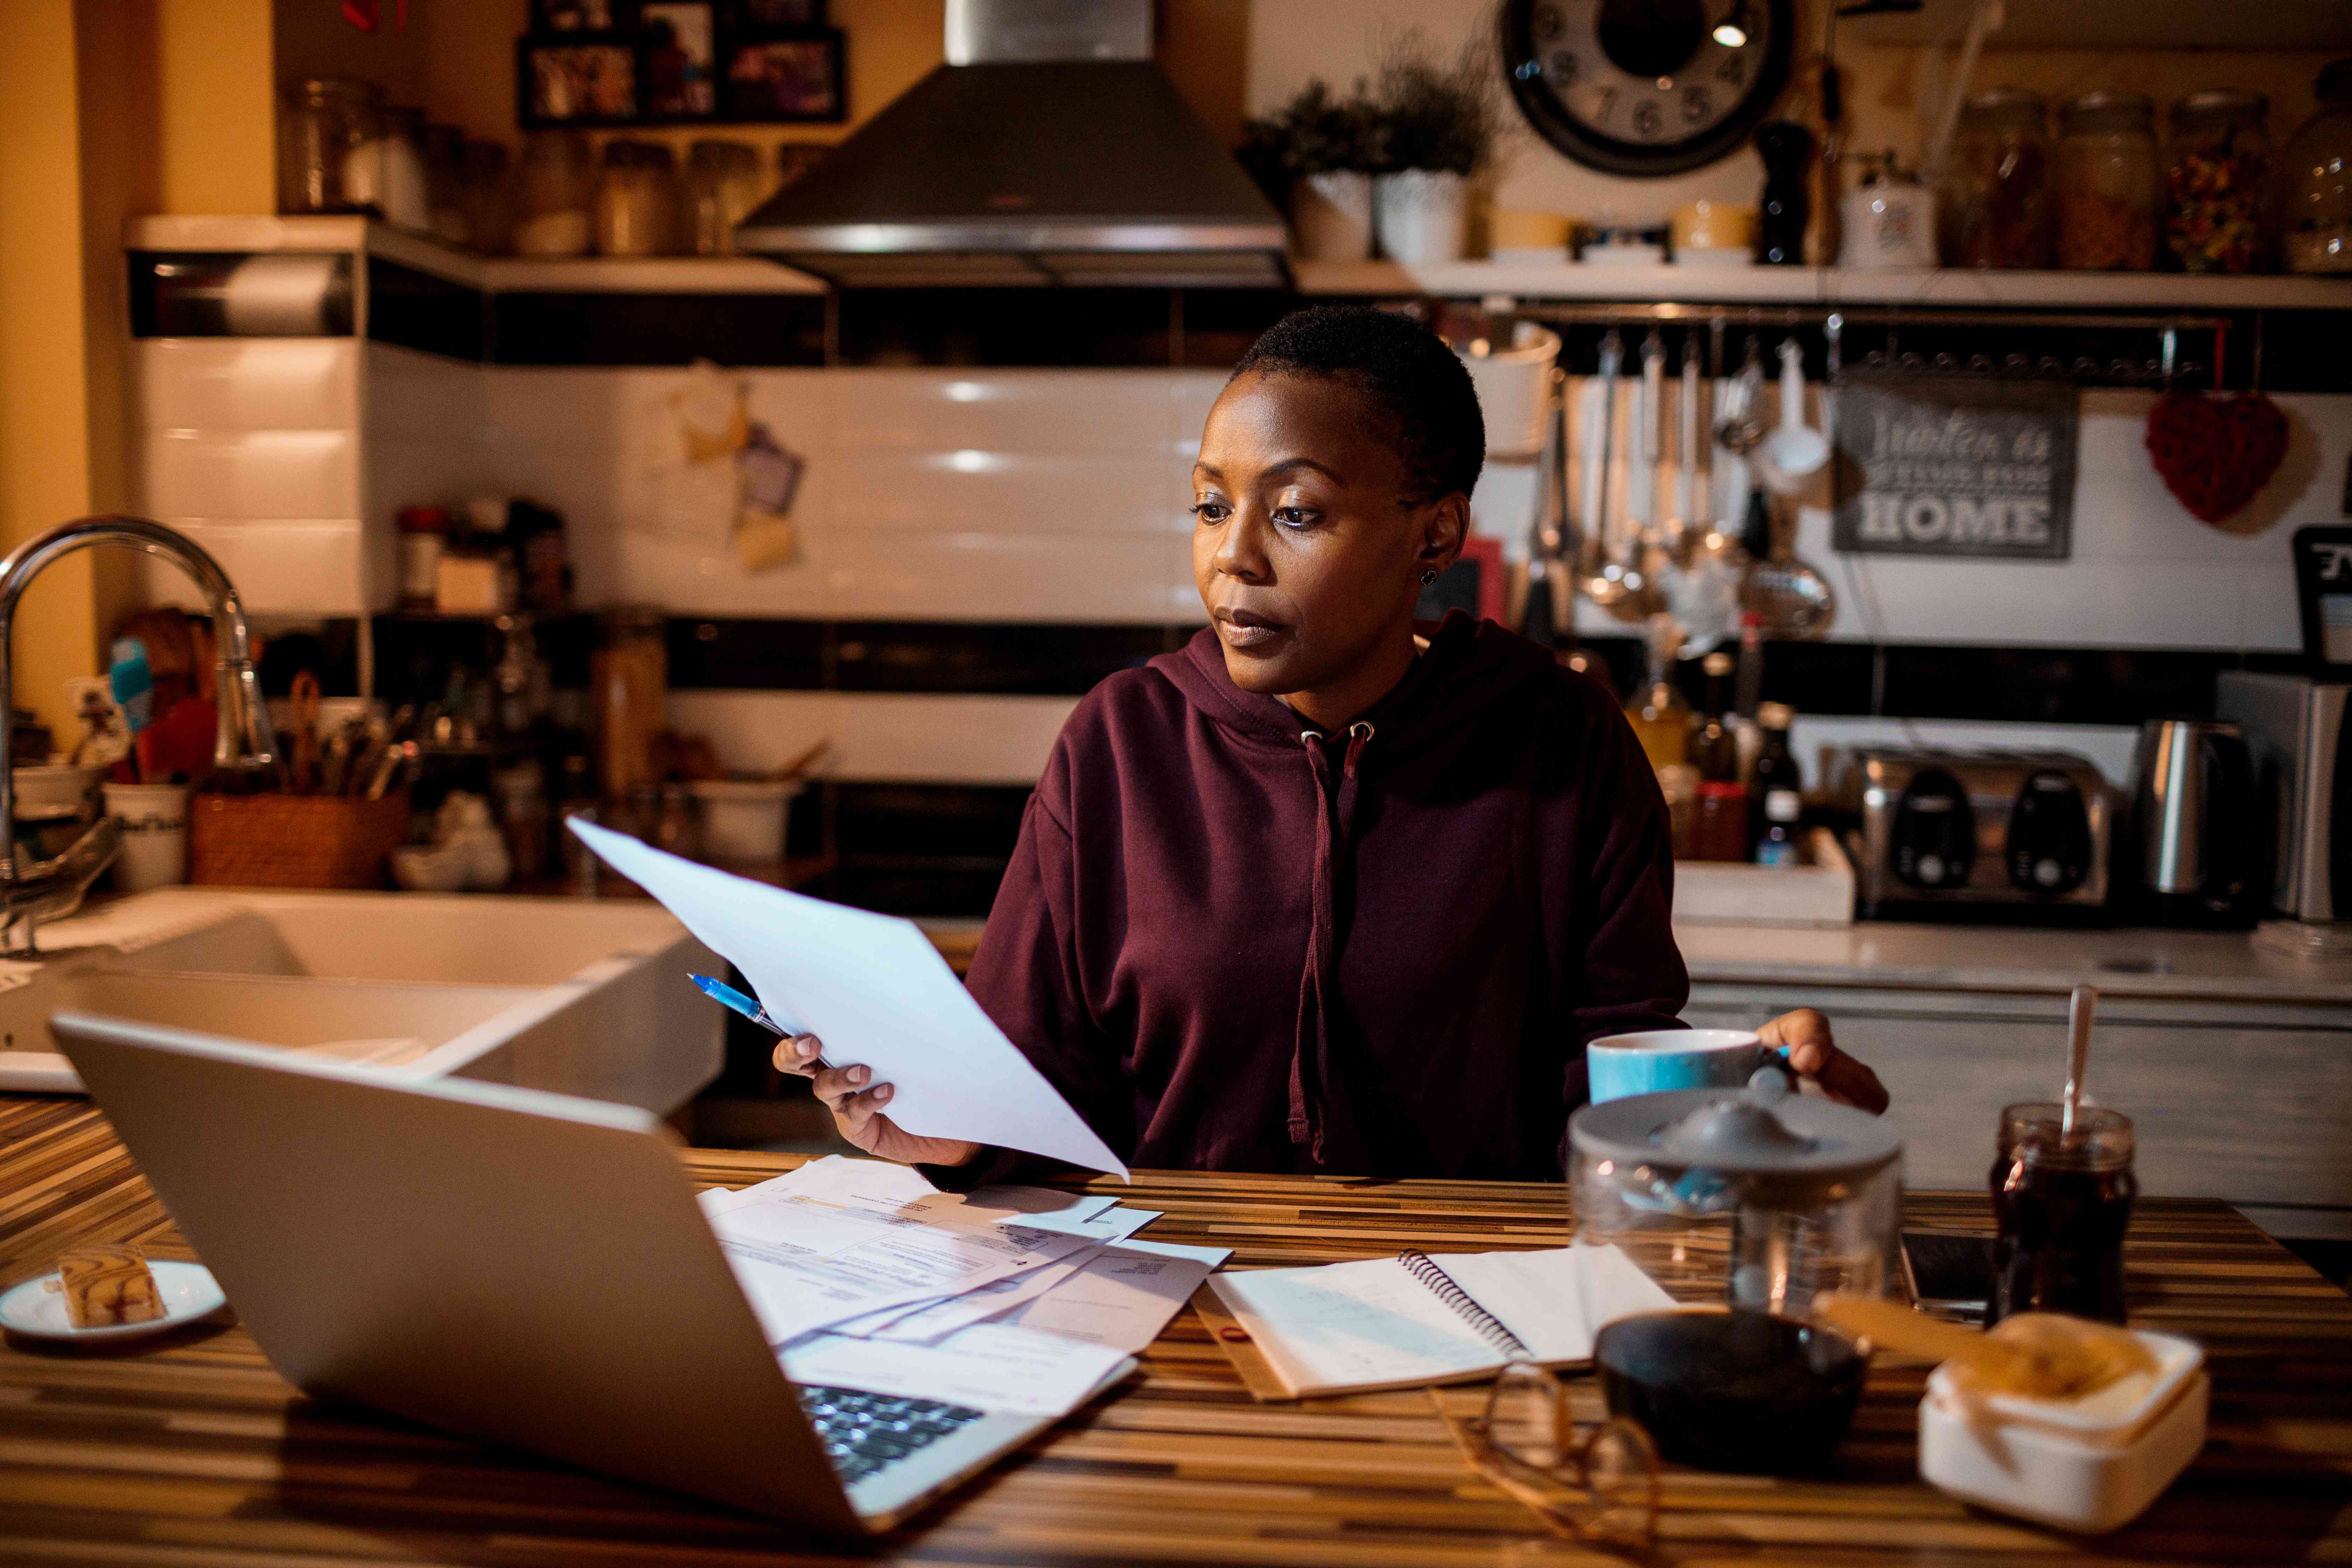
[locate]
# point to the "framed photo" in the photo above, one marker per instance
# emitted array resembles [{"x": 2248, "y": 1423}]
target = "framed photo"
[
  {"x": 763, "y": 14},
  {"x": 582, "y": 79},
  {"x": 797, "y": 76},
  {"x": 678, "y": 55},
  {"x": 582, "y": 15}
]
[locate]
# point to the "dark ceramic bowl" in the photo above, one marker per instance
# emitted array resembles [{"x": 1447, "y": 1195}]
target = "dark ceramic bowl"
[{"x": 1732, "y": 1391}]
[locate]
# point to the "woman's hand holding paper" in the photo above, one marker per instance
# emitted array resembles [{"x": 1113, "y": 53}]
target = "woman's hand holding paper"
[{"x": 856, "y": 1105}]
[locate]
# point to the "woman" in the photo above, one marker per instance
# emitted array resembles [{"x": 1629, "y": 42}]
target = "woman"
[{"x": 1316, "y": 893}]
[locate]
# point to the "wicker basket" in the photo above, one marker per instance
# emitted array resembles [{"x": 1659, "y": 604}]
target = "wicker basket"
[{"x": 293, "y": 840}]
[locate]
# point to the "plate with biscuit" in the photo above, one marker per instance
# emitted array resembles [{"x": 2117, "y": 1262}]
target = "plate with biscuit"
[{"x": 108, "y": 1290}]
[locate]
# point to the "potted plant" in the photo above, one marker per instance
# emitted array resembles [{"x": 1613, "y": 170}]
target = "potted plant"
[
  {"x": 1435, "y": 126},
  {"x": 1313, "y": 156}
]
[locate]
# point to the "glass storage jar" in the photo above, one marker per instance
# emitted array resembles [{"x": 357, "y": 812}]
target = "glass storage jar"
[
  {"x": 2316, "y": 182},
  {"x": 559, "y": 187},
  {"x": 637, "y": 200},
  {"x": 1993, "y": 205},
  {"x": 2110, "y": 193},
  {"x": 386, "y": 172},
  {"x": 486, "y": 195},
  {"x": 723, "y": 184},
  {"x": 321, "y": 122},
  {"x": 630, "y": 674},
  {"x": 445, "y": 183},
  {"x": 2217, "y": 184}
]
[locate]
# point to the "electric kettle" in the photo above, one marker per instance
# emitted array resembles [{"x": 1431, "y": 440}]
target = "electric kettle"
[{"x": 2191, "y": 839}]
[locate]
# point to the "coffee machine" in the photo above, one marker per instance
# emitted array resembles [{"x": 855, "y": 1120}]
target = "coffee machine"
[{"x": 2300, "y": 750}]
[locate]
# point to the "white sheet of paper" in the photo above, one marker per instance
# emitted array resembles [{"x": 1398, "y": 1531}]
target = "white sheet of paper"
[
  {"x": 1123, "y": 1296},
  {"x": 934, "y": 1321},
  {"x": 878, "y": 993},
  {"x": 988, "y": 1367},
  {"x": 807, "y": 1262}
]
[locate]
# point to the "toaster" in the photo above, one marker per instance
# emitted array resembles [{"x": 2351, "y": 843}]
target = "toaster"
[{"x": 1977, "y": 835}]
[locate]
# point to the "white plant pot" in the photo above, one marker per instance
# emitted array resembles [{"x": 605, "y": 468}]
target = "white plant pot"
[
  {"x": 1331, "y": 215},
  {"x": 1512, "y": 382},
  {"x": 1420, "y": 215}
]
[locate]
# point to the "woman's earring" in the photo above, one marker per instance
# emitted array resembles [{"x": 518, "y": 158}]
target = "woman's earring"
[{"x": 1429, "y": 576}]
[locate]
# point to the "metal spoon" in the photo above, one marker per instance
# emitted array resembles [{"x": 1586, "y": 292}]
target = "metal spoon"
[
  {"x": 2080, "y": 1010},
  {"x": 1740, "y": 422}
]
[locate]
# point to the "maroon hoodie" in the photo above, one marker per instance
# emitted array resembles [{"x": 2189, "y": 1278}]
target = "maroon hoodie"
[{"x": 1237, "y": 944}]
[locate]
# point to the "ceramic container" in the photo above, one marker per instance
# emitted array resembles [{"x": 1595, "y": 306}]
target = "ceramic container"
[
  {"x": 1331, "y": 215},
  {"x": 743, "y": 820},
  {"x": 1513, "y": 383},
  {"x": 1420, "y": 216},
  {"x": 153, "y": 818},
  {"x": 2091, "y": 1464}
]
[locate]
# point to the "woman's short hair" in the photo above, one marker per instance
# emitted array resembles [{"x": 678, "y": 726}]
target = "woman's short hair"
[{"x": 1406, "y": 371}]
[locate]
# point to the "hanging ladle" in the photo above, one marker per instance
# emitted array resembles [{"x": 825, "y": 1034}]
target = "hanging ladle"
[{"x": 1795, "y": 450}]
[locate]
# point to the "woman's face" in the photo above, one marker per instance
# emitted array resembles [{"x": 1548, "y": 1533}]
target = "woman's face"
[{"x": 1308, "y": 548}]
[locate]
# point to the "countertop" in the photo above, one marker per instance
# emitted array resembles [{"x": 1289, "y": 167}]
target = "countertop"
[
  {"x": 2124, "y": 962},
  {"x": 193, "y": 1453}
]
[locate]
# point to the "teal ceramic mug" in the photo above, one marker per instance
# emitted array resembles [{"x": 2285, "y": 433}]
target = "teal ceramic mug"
[{"x": 1656, "y": 1061}]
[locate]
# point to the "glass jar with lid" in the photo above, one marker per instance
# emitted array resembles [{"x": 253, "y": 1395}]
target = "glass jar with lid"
[
  {"x": 1993, "y": 205},
  {"x": 2218, "y": 182},
  {"x": 723, "y": 183},
  {"x": 322, "y": 122},
  {"x": 629, "y": 675},
  {"x": 485, "y": 196},
  {"x": 385, "y": 174},
  {"x": 2315, "y": 182},
  {"x": 2110, "y": 190},
  {"x": 558, "y": 190},
  {"x": 636, "y": 199}
]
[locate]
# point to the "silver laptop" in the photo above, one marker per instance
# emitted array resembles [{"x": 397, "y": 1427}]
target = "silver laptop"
[{"x": 508, "y": 1263}]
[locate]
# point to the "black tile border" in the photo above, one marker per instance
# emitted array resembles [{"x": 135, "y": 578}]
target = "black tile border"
[
  {"x": 414, "y": 309},
  {"x": 739, "y": 330},
  {"x": 1840, "y": 679}
]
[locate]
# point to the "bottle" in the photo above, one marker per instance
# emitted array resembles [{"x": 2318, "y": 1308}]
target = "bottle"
[
  {"x": 1774, "y": 773},
  {"x": 1714, "y": 748},
  {"x": 1777, "y": 844},
  {"x": 1660, "y": 717}
]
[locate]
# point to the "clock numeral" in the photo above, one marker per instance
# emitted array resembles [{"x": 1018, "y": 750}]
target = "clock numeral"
[
  {"x": 1606, "y": 103},
  {"x": 1734, "y": 69},
  {"x": 1647, "y": 120},
  {"x": 1696, "y": 106}
]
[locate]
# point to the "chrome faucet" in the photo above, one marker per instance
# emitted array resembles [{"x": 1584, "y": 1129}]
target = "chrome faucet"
[{"x": 53, "y": 888}]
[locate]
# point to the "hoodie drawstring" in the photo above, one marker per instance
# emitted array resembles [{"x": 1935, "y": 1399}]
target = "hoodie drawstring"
[{"x": 1311, "y": 1073}]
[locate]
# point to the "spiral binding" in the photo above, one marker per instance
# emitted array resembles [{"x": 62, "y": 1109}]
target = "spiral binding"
[{"x": 1489, "y": 1327}]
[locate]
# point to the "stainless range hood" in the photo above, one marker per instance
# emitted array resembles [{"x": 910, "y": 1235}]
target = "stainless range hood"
[{"x": 1049, "y": 149}]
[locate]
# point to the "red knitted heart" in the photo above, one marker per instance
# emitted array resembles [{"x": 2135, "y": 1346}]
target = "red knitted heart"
[{"x": 2215, "y": 453}]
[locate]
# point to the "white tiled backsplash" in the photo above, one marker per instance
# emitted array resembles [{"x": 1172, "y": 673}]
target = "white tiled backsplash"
[{"x": 1023, "y": 495}]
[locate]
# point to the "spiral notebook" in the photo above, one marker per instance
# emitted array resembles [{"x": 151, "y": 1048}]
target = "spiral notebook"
[{"x": 1419, "y": 1318}]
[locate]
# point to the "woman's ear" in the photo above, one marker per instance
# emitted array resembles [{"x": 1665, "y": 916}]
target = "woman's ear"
[{"x": 1443, "y": 530}]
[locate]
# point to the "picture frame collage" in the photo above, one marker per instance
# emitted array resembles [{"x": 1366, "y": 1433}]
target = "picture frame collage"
[{"x": 601, "y": 64}]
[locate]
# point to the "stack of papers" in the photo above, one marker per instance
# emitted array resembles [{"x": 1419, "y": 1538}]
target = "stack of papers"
[{"x": 1018, "y": 1300}]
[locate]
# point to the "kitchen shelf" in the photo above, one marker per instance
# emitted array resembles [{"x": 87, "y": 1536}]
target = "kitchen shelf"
[
  {"x": 1934, "y": 288},
  {"x": 491, "y": 274}
]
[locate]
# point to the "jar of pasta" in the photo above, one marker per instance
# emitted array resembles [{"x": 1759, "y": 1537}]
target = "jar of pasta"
[
  {"x": 1994, "y": 208},
  {"x": 2219, "y": 182},
  {"x": 2110, "y": 191},
  {"x": 637, "y": 200}
]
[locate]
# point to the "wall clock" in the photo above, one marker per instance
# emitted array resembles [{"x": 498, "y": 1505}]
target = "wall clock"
[{"x": 1645, "y": 87}]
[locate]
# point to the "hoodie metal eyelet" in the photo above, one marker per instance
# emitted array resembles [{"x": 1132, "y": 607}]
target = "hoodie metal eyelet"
[
  {"x": 1360, "y": 730},
  {"x": 1310, "y": 737}
]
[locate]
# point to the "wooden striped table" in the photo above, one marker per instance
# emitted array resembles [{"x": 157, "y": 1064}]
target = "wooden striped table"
[{"x": 193, "y": 1453}]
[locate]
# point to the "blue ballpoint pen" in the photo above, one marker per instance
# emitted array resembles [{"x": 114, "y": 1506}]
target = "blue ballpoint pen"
[{"x": 728, "y": 996}]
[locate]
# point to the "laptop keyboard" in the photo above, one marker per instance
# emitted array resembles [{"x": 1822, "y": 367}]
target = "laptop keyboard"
[{"x": 864, "y": 1432}]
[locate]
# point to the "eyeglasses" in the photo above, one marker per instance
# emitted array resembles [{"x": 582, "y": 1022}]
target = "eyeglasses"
[{"x": 1601, "y": 1487}]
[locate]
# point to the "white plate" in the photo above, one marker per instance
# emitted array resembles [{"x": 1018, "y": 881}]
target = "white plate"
[{"x": 188, "y": 1290}]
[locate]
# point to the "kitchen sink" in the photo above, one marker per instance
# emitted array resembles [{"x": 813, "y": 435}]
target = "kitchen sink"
[{"x": 585, "y": 997}]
